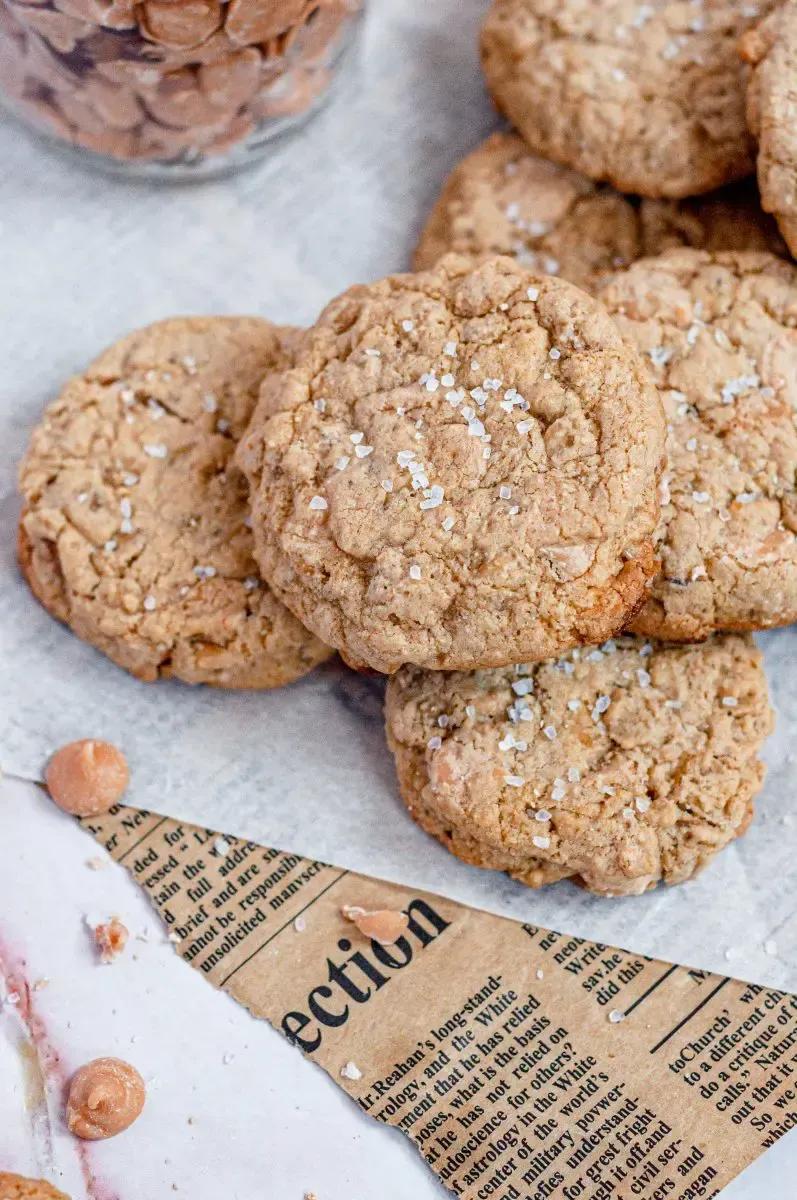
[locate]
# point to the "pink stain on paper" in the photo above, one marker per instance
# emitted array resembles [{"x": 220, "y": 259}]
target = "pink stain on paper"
[{"x": 43, "y": 1069}]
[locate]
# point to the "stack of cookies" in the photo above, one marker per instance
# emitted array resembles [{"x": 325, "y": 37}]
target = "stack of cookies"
[{"x": 544, "y": 483}]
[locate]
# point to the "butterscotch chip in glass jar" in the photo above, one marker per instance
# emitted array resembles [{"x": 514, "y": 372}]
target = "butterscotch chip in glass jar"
[
  {"x": 258, "y": 20},
  {"x": 87, "y": 777},
  {"x": 105, "y": 1098},
  {"x": 180, "y": 25}
]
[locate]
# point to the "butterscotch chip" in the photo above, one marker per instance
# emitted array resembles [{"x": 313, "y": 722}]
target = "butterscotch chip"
[
  {"x": 771, "y": 49},
  {"x": 87, "y": 777},
  {"x": 182, "y": 25},
  {"x": 459, "y": 470},
  {"x": 135, "y": 530},
  {"x": 117, "y": 106},
  {"x": 251, "y": 21},
  {"x": 647, "y": 97},
  {"x": 502, "y": 199},
  {"x": 63, "y": 33},
  {"x": 16, "y": 1187},
  {"x": 383, "y": 925},
  {"x": 111, "y": 939},
  {"x": 232, "y": 80},
  {"x": 178, "y": 101},
  {"x": 105, "y": 1097},
  {"x": 618, "y": 767},
  {"x": 718, "y": 331}
]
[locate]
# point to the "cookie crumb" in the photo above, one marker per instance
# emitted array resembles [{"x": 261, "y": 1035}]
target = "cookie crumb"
[{"x": 111, "y": 939}]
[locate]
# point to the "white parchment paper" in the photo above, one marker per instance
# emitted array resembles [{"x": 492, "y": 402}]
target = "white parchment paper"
[{"x": 84, "y": 259}]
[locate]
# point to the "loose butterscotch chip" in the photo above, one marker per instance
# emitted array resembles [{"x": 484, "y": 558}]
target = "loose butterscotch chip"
[
  {"x": 87, "y": 777},
  {"x": 383, "y": 925},
  {"x": 459, "y": 470},
  {"x": 17, "y": 1187},
  {"x": 105, "y": 1098},
  {"x": 619, "y": 767}
]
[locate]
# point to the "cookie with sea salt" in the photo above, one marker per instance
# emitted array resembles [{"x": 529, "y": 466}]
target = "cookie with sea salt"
[
  {"x": 502, "y": 199},
  {"x": 17, "y": 1187},
  {"x": 460, "y": 470},
  {"x": 647, "y": 97},
  {"x": 771, "y": 50},
  {"x": 719, "y": 332},
  {"x": 618, "y": 767},
  {"x": 135, "y": 523}
]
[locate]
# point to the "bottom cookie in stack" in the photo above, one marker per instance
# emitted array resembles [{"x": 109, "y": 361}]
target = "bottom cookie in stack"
[{"x": 618, "y": 767}]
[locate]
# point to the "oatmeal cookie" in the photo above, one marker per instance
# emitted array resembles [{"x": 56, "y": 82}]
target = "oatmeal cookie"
[
  {"x": 459, "y": 471},
  {"x": 134, "y": 530},
  {"x": 502, "y": 199},
  {"x": 647, "y": 97},
  {"x": 771, "y": 50},
  {"x": 719, "y": 332},
  {"x": 17, "y": 1187},
  {"x": 618, "y": 767}
]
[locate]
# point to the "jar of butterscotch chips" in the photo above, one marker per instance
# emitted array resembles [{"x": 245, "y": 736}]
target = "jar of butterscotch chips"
[{"x": 179, "y": 89}]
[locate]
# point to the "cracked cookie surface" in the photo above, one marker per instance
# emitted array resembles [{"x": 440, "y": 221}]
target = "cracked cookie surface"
[
  {"x": 17, "y": 1187},
  {"x": 720, "y": 334},
  {"x": 460, "y": 470},
  {"x": 135, "y": 527},
  {"x": 502, "y": 199},
  {"x": 648, "y": 97},
  {"x": 620, "y": 767},
  {"x": 771, "y": 50}
]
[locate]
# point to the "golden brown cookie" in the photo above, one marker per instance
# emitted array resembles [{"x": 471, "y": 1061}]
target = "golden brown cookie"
[
  {"x": 17, "y": 1187},
  {"x": 618, "y": 767},
  {"x": 771, "y": 50},
  {"x": 719, "y": 334},
  {"x": 648, "y": 97},
  {"x": 502, "y": 199},
  {"x": 135, "y": 528},
  {"x": 459, "y": 471}
]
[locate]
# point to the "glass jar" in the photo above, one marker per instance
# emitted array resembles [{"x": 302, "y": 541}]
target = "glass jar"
[{"x": 177, "y": 89}]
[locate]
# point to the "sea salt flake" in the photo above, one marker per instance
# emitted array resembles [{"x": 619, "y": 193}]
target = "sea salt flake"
[
  {"x": 448, "y": 524},
  {"x": 542, "y": 843},
  {"x": 435, "y": 742},
  {"x": 450, "y": 349},
  {"x": 558, "y": 791},
  {"x": 415, "y": 571},
  {"x": 550, "y": 732},
  {"x": 318, "y": 503},
  {"x": 515, "y": 781},
  {"x": 643, "y": 678},
  {"x": 660, "y": 355},
  {"x": 447, "y": 380},
  {"x": 387, "y": 485},
  {"x": 351, "y": 1071},
  {"x": 505, "y": 492},
  {"x": 730, "y": 701},
  {"x": 642, "y": 803},
  {"x": 615, "y": 1016},
  {"x": 542, "y": 814},
  {"x": 522, "y": 687},
  {"x": 356, "y": 438},
  {"x": 408, "y": 326},
  {"x": 363, "y": 451},
  {"x": 573, "y": 774},
  {"x": 150, "y": 603},
  {"x": 156, "y": 450},
  {"x": 533, "y": 294},
  {"x": 574, "y": 705},
  {"x": 342, "y": 463},
  {"x": 221, "y": 846}
]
